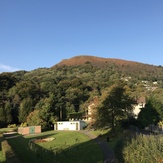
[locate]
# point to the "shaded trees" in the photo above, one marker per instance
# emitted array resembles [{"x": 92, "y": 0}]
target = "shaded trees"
[
  {"x": 153, "y": 111},
  {"x": 2, "y": 117},
  {"x": 8, "y": 113},
  {"x": 34, "y": 118},
  {"x": 46, "y": 111},
  {"x": 26, "y": 106},
  {"x": 5, "y": 115},
  {"x": 67, "y": 90},
  {"x": 115, "y": 106}
]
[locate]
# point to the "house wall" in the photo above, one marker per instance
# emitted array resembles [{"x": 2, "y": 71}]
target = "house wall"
[
  {"x": 37, "y": 129},
  {"x": 23, "y": 130},
  {"x": 26, "y": 130},
  {"x": 90, "y": 110},
  {"x": 82, "y": 124},
  {"x": 69, "y": 125},
  {"x": 137, "y": 109}
]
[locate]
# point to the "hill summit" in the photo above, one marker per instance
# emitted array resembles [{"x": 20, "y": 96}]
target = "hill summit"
[
  {"x": 123, "y": 67},
  {"x": 84, "y": 59}
]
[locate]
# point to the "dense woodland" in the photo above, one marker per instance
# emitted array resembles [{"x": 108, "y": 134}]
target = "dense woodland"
[{"x": 45, "y": 95}]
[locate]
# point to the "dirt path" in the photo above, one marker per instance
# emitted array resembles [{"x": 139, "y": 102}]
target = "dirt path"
[{"x": 108, "y": 154}]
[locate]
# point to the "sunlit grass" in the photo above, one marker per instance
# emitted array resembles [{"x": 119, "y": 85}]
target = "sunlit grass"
[
  {"x": 3, "y": 130},
  {"x": 100, "y": 132},
  {"x": 2, "y": 157}
]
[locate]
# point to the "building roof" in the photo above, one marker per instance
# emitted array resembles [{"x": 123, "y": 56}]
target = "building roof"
[{"x": 141, "y": 100}]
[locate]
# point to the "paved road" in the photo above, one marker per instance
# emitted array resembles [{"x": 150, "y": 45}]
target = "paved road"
[{"x": 108, "y": 154}]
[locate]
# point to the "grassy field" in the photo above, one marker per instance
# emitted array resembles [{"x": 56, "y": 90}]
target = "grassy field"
[{"x": 68, "y": 146}]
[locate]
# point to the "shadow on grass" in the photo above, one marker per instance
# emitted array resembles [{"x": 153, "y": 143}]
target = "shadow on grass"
[
  {"x": 1, "y": 140},
  {"x": 118, "y": 150},
  {"x": 28, "y": 151},
  {"x": 22, "y": 149},
  {"x": 115, "y": 142},
  {"x": 81, "y": 152}
]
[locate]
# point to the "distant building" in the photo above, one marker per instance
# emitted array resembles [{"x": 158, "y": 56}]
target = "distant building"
[
  {"x": 69, "y": 125},
  {"x": 29, "y": 130},
  {"x": 140, "y": 103},
  {"x": 137, "y": 108},
  {"x": 90, "y": 111},
  {"x": 91, "y": 108}
]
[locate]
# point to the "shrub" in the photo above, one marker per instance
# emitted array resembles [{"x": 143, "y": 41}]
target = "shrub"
[
  {"x": 142, "y": 148},
  {"x": 23, "y": 124},
  {"x": 11, "y": 126}
]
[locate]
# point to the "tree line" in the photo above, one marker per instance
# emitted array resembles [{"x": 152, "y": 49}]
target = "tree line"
[{"x": 39, "y": 96}]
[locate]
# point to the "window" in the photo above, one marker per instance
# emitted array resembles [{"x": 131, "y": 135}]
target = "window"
[
  {"x": 60, "y": 123},
  {"x": 72, "y": 123}
]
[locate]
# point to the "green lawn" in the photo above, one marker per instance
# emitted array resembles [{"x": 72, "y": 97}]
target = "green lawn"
[
  {"x": 102, "y": 133},
  {"x": 2, "y": 130},
  {"x": 2, "y": 158},
  {"x": 68, "y": 146}
]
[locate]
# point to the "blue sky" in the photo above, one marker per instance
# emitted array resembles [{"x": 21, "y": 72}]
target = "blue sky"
[{"x": 40, "y": 33}]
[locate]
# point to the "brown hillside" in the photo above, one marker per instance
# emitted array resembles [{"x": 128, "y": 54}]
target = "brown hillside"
[{"x": 80, "y": 60}]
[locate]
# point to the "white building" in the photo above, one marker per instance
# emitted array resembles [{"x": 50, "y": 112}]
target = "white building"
[
  {"x": 140, "y": 104},
  {"x": 90, "y": 111},
  {"x": 69, "y": 125}
]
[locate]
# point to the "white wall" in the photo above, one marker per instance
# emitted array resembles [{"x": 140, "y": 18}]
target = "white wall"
[
  {"x": 137, "y": 109},
  {"x": 67, "y": 125}
]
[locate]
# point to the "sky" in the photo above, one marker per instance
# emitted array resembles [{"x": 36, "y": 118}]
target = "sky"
[{"x": 40, "y": 33}]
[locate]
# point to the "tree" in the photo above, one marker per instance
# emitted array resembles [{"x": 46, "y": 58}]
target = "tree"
[
  {"x": 25, "y": 108},
  {"x": 26, "y": 89},
  {"x": 115, "y": 106},
  {"x": 6, "y": 81},
  {"x": 15, "y": 108},
  {"x": 2, "y": 117},
  {"x": 152, "y": 113},
  {"x": 34, "y": 118},
  {"x": 8, "y": 116},
  {"x": 5, "y": 115},
  {"x": 74, "y": 95},
  {"x": 46, "y": 111}
]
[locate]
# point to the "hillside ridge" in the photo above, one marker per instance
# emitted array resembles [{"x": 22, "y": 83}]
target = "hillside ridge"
[{"x": 83, "y": 59}]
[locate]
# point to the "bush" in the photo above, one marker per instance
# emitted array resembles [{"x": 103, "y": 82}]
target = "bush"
[
  {"x": 142, "y": 148},
  {"x": 23, "y": 124},
  {"x": 11, "y": 126}
]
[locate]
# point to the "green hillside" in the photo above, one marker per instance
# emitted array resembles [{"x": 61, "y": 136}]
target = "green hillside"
[{"x": 70, "y": 86}]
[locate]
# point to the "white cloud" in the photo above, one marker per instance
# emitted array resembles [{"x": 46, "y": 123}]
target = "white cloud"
[{"x": 6, "y": 68}]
